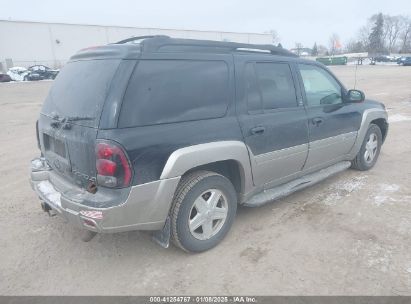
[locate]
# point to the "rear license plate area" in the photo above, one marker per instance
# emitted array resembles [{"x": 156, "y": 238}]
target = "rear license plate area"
[
  {"x": 55, "y": 145},
  {"x": 56, "y": 153}
]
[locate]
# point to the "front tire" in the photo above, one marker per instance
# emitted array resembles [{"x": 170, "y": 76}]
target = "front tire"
[
  {"x": 203, "y": 211},
  {"x": 370, "y": 149}
]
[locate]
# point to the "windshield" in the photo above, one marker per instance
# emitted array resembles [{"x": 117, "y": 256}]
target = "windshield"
[{"x": 80, "y": 90}]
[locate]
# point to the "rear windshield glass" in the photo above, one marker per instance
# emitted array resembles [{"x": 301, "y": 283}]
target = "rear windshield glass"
[
  {"x": 166, "y": 91},
  {"x": 79, "y": 91}
]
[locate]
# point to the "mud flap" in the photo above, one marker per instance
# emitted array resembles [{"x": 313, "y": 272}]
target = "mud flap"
[
  {"x": 88, "y": 235},
  {"x": 162, "y": 237}
]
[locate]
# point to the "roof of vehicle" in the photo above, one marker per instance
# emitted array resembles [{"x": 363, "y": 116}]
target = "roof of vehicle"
[
  {"x": 133, "y": 48},
  {"x": 17, "y": 69}
]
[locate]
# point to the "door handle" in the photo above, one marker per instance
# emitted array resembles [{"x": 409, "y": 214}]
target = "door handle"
[
  {"x": 317, "y": 121},
  {"x": 257, "y": 130}
]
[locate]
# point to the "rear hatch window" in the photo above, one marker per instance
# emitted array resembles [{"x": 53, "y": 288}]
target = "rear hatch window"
[{"x": 79, "y": 91}]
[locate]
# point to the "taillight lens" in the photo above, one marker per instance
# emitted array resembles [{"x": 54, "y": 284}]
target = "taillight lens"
[{"x": 112, "y": 164}]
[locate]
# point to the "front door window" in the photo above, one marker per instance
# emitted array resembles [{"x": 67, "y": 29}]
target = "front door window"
[{"x": 320, "y": 87}]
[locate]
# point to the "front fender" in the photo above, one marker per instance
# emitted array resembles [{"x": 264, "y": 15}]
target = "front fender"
[{"x": 368, "y": 116}]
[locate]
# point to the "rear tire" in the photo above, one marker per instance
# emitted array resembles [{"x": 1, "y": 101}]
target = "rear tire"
[
  {"x": 203, "y": 211},
  {"x": 370, "y": 149}
]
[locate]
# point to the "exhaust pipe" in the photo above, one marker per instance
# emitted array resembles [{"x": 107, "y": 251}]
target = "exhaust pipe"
[
  {"x": 48, "y": 209},
  {"x": 45, "y": 207}
]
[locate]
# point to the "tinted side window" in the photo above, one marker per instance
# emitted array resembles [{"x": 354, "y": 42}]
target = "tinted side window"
[
  {"x": 320, "y": 87},
  {"x": 276, "y": 85},
  {"x": 253, "y": 95},
  {"x": 164, "y": 91}
]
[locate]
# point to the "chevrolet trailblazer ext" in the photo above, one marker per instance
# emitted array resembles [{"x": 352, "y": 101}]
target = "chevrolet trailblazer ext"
[{"x": 170, "y": 135}]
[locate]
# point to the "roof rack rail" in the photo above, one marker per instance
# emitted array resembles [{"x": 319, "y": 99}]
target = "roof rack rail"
[
  {"x": 252, "y": 50},
  {"x": 140, "y": 38},
  {"x": 154, "y": 43},
  {"x": 158, "y": 42}
]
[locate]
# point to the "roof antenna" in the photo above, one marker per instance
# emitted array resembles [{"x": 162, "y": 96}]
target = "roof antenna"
[{"x": 355, "y": 74}]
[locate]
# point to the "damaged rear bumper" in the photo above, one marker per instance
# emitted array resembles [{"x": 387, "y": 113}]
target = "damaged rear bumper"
[{"x": 141, "y": 207}]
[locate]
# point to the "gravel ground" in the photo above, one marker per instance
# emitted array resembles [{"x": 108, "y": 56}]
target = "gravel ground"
[{"x": 350, "y": 235}]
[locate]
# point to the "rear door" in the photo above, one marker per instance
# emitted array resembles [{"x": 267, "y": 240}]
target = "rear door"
[
  {"x": 272, "y": 119},
  {"x": 333, "y": 124}
]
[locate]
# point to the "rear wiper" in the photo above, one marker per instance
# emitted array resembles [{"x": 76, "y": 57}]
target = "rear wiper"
[
  {"x": 77, "y": 118},
  {"x": 65, "y": 120}
]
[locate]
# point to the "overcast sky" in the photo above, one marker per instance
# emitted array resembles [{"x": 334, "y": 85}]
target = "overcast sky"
[{"x": 306, "y": 21}]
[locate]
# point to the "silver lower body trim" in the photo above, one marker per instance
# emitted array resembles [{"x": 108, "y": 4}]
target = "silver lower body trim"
[{"x": 145, "y": 208}]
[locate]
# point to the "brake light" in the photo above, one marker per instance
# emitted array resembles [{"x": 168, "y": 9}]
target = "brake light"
[
  {"x": 106, "y": 167},
  {"x": 112, "y": 164}
]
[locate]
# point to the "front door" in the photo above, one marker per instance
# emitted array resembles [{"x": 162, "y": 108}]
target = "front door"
[
  {"x": 333, "y": 124},
  {"x": 273, "y": 121}
]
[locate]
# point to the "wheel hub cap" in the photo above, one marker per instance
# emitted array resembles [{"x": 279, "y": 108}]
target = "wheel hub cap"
[
  {"x": 371, "y": 148},
  {"x": 208, "y": 214}
]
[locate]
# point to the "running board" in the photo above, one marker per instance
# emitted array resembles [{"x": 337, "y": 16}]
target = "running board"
[{"x": 303, "y": 182}]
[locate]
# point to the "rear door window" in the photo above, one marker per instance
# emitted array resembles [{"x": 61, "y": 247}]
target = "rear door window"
[
  {"x": 269, "y": 87},
  {"x": 166, "y": 91},
  {"x": 277, "y": 86}
]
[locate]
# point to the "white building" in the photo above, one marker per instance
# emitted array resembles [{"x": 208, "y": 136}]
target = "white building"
[{"x": 27, "y": 43}]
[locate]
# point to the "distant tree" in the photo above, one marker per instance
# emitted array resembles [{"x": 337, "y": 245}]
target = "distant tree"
[
  {"x": 298, "y": 47},
  {"x": 354, "y": 46},
  {"x": 280, "y": 45},
  {"x": 322, "y": 50},
  {"x": 405, "y": 36},
  {"x": 376, "y": 38},
  {"x": 314, "y": 51},
  {"x": 364, "y": 34},
  {"x": 392, "y": 29},
  {"x": 383, "y": 33}
]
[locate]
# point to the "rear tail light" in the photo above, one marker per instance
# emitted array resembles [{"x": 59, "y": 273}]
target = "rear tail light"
[{"x": 112, "y": 164}]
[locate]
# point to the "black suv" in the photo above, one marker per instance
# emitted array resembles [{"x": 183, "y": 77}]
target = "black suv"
[{"x": 170, "y": 135}]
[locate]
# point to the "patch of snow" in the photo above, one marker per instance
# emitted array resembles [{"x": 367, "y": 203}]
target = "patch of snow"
[
  {"x": 373, "y": 255},
  {"x": 409, "y": 270},
  {"x": 398, "y": 118},
  {"x": 390, "y": 188},
  {"x": 380, "y": 199},
  {"x": 344, "y": 189},
  {"x": 36, "y": 163},
  {"x": 354, "y": 184},
  {"x": 384, "y": 194},
  {"x": 47, "y": 189}
]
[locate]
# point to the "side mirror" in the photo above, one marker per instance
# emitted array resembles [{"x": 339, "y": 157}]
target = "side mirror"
[{"x": 355, "y": 96}]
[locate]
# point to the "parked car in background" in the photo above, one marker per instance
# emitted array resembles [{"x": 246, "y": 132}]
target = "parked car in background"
[
  {"x": 404, "y": 61},
  {"x": 385, "y": 58},
  {"x": 5, "y": 78},
  {"x": 18, "y": 73},
  {"x": 43, "y": 72},
  {"x": 35, "y": 72}
]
